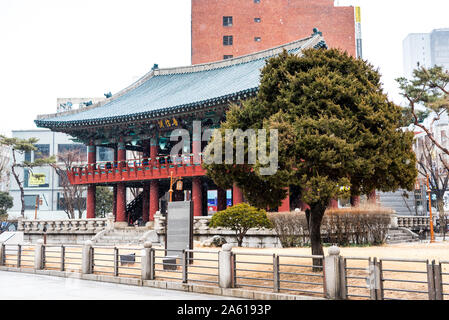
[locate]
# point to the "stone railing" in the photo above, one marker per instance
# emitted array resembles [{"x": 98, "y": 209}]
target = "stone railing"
[
  {"x": 413, "y": 222},
  {"x": 69, "y": 226}
]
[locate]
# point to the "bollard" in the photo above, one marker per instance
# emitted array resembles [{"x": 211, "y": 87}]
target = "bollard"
[
  {"x": 86, "y": 267},
  {"x": 332, "y": 273},
  {"x": 225, "y": 266},
  {"x": 2, "y": 254},
  {"x": 116, "y": 261},
  {"x": 147, "y": 262},
  {"x": 39, "y": 255}
]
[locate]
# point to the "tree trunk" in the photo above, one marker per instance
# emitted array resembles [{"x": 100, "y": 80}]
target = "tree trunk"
[
  {"x": 239, "y": 239},
  {"x": 440, "y": 204},
  {"x": 316, "y": 217},
  {"x": 19, "y": 183}
]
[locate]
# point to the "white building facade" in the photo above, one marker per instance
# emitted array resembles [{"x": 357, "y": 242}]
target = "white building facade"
[
  {"x": 425, "y": 49},
  {"x": 47, "y": 185}
]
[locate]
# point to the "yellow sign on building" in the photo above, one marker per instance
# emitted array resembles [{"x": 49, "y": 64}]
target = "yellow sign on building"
[
  {"x": 358, "y": 15},
  {"x": 36, "y": 180}
]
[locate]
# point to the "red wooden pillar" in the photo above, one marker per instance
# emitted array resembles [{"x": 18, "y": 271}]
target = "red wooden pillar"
[
  {"x": 221, "y": 199},
  {"x": 237, "y": 195},
  {"x": 333, "y": 204},
  {"x": 154, "y": 184},
  {"x": 121, "y": 203},
  {"x": 196, "y": 142},
  {"x": 146, "y": 188},
  {"x": 285, "y": 205},
  {"x": 197, "y": 197},
  {"x": 154, "y": 198},
  {"x": 114, "y": 200},
  {"x": 153, "y": 148},
  {"x": 121, "y": 188},
  {"x": 91, "y": 189}
]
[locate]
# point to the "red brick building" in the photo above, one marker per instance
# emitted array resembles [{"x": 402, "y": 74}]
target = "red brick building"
[{"x": 230, "y": 28}]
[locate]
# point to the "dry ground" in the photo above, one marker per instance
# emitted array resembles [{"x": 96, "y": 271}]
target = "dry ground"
[{"x": 256, "y": 271}]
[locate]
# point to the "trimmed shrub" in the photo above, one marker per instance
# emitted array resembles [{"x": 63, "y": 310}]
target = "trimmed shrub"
[
  {"x": 364, "y": 225},
  {"x": 240, "y": 218}
]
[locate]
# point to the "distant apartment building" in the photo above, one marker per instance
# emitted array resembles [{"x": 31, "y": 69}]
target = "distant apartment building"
[
  {"x": 426, "y": 49},
  {"x": 48, "y": 185},
  {"x": 43, "y": 181},
  {"x": 230, "y": 28}
]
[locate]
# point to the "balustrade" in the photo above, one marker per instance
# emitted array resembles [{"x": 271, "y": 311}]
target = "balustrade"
[
  {"x": 138, "y": 169},
  {"x": 89, "y": 226}
]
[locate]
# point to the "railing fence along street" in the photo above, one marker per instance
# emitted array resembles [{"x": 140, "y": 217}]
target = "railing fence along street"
[{"x": 332, "y": 276}]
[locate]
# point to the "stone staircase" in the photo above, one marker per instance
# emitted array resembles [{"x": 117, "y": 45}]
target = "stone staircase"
[
  {"x": 395, "y": 200},
  {"x": 126, "y": 236},
  {"x": 401, "y": 235}
]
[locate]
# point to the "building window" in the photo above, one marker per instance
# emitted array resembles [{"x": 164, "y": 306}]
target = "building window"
[
  {"x": 257, "y": 39},
  {"x": 78, "y": 202},
  {"x": 43, "y": 151},
  {"x": 38, "y": 178},
  {"x": 227, "y": 21},
  {"x": 77, "y": 152},
  {"x": 257, "y": 20},
  {"x": 227, "y": 40},
  {"x": 256, "y": 1},
  {"x": 28, "y": 156},
  {"x": 228, "y": 56},
  {"x": 30, "y": 202}
]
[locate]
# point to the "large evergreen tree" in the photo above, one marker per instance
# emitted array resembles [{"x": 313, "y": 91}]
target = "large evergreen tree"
[{"x": 336, "y": 128}]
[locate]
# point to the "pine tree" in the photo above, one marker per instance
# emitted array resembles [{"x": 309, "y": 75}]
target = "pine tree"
[{"x": 338, "y": 134}]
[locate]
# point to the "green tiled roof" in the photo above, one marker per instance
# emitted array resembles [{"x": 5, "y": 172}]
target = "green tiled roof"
[{"x": 165, "y": 91}]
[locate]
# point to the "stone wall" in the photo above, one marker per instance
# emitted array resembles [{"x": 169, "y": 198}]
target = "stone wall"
[{"x": 255, "y": 238}]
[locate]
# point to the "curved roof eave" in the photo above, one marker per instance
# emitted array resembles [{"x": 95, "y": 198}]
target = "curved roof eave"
[{"x": 157, "y": 81}]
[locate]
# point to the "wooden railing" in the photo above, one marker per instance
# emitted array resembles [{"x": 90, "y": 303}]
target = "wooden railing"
[{"x": 161, "y": 167}]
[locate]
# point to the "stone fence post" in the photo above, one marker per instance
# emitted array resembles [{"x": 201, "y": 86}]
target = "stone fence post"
[
  {"x": 394, "y": 223},
  {"x": 39, "y": 255},
  {"x": 225, "y": 266},
  {"x": 86, "y": 266},
  {"x": 147, "y": 261},
  {"x": 332, "y": 274},
  {"x": 2, "y": 254},
  {"x": 110, "y": 221}
]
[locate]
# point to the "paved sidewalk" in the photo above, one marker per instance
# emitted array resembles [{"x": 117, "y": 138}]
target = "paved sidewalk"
[{"x": 17, "y": 286}]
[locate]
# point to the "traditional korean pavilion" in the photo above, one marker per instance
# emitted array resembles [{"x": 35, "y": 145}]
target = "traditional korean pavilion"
[{"x": 141, "y": 118}]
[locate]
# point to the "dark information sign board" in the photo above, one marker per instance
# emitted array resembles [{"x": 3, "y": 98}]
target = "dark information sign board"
[{"x": 179, "y": 233}]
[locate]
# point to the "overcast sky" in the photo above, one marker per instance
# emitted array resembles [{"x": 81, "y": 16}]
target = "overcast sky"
[{"x": 85, "y": 48}]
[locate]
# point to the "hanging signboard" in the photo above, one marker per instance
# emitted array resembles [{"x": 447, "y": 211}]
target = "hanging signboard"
[{"x": 36, "y": 180}]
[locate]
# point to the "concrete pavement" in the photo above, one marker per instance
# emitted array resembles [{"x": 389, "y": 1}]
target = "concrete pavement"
[{"x": 16, "y": 286}]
